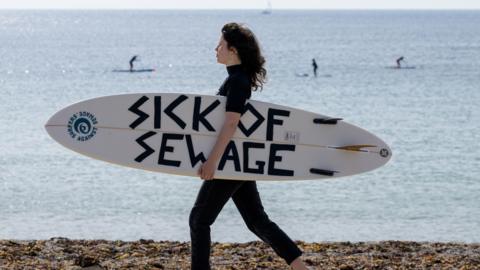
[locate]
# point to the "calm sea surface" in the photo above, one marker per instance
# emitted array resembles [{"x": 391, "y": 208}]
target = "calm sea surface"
[{"x": 430, "y": 115}]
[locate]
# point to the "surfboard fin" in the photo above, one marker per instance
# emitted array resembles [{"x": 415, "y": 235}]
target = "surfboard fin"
[
  {"x": 322, "y": 172},
  {"x": 355, "y": 147},
  {"x": 327, "y": 121}
]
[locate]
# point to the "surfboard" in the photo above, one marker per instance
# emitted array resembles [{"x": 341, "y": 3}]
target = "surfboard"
[
  {"x": 174, "y": 133},
  {"x": 135, "y": 70}
]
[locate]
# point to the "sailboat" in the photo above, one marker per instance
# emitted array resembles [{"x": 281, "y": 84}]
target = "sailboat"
[{"x": 267, "y": 10}]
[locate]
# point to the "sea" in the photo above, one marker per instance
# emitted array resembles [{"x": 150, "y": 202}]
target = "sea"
[{"x": 429, "y": 114}]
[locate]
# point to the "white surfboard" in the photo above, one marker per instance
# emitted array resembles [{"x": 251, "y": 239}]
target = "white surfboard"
[{"x": 174, "y": 133}]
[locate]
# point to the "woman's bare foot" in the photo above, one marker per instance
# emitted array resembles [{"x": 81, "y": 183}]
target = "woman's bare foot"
[{"x": 297, "y": 264}]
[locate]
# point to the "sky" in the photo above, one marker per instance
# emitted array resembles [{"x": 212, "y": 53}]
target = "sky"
[{"x": 239, "y": 4}]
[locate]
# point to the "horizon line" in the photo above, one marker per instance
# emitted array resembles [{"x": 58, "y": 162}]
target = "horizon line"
[{"x": 238, "y": 9}]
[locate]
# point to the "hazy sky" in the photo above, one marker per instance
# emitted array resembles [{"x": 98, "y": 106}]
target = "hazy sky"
[{"x": 242, "y": 4}]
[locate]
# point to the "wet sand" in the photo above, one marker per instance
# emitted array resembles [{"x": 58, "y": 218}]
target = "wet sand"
[{"x": 63, "y": 253}]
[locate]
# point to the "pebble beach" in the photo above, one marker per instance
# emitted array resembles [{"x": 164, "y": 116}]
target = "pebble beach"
[{"x": 63, "y": 253}]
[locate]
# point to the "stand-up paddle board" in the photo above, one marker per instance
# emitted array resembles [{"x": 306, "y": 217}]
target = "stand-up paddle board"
[
  {"x": 174, "y": 133},
  {"x": 134, "y": 70},
  {"x": 403, "y": 67},
  {"x": 304, "y": 75}
]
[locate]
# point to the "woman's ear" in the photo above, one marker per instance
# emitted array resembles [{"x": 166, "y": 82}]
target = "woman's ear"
[{"x": 234, "y": 50}]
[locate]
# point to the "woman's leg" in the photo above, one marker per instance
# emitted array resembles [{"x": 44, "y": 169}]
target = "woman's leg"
[
  {"x": 211, "y": 198},
  {"x": 247, "y": 200}
]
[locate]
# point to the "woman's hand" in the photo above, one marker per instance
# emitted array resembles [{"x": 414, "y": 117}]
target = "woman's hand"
[{"x": 206, "y": 170}]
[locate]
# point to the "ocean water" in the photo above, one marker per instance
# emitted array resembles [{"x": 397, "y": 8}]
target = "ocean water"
[{"x": 430, "y": 115}]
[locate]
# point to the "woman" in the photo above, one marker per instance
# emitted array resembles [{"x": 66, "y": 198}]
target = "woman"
[{"x": 239, "y": 51}]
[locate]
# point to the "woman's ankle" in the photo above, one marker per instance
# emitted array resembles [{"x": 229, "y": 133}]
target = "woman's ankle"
[{"x": 298, "y": 264}]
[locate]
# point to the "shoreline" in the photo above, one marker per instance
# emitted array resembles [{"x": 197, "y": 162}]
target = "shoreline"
[{"x": 63, "y": 253}]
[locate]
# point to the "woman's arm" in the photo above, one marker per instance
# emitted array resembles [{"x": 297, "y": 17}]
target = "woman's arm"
[{"x": 207, "y": 170}]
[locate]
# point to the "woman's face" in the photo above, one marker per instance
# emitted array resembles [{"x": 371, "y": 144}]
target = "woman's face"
[{"x": 224, "y": 54}]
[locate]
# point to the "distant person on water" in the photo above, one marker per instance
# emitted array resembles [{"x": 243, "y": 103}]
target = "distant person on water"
[
  {"x": 315, "y": 67},
  {"x": 134, "y": 58},
  {"x": 239, "y": 51},
  {"x": 398, "y": 62}
]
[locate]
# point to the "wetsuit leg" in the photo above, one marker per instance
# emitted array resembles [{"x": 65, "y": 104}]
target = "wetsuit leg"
[
  {"x": 247, "y": 200},
  {"x": 211, "y": 198}
]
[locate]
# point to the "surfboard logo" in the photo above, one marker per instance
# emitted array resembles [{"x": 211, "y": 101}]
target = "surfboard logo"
[
  {"x": 81, "y": 126},
  {"x": 384, "y": 153}
]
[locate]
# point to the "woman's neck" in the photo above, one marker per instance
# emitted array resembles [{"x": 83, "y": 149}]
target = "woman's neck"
[{"x": 234, "y": 61}]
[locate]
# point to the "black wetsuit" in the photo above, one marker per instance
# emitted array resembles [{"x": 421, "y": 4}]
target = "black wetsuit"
[{"x": 214, "y": 194}]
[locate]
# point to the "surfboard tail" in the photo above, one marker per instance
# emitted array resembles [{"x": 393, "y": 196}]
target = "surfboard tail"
[{"x": 355, "y": 148}]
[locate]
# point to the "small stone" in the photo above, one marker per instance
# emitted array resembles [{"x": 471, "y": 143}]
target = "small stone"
[
  {"x": 86, "y": 261},
  {"x": 148, "y": 241},
  {"x": 345, "y": 267}
]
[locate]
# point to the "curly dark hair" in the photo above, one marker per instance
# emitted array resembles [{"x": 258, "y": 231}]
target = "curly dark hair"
[{"x": 244, "y": 41}]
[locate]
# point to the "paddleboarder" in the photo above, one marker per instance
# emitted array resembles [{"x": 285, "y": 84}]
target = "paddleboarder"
[
  {"x": 133, "y": 59},
  {"x": 400, "y": 59},
  {"x": 315, "y": 67},
  {"x": 239, "y": 51}
]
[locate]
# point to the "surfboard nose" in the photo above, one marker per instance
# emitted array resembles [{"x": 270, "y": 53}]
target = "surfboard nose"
[
  {"x": 55, "y": 124},
  {"x": 56, "y": 120},
  {"x": 53, "y": 120}
]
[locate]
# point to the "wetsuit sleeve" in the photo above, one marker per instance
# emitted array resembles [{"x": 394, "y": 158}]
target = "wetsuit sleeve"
[{"x": 238, "y": 91}]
